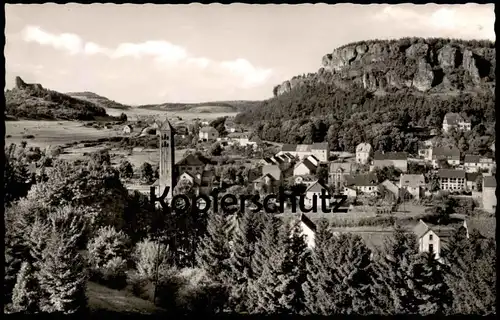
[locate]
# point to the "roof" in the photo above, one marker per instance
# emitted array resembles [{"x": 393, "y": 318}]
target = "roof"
[
  {"x": 319, "y": 146},
  {"x": 193, "y": 179},
  {"x": 489, "y": 182},
  {"x": 449, "y": 151},
  {"x": 453, "y": 118},
  {"x": 451, "y": 173},
  {"x": 441, "y": 231},
  {"x": 390, "y": 156},
  {"x": 274, "y": 170},
  {"x": 304, "y": 219},
  {"x": 309, "y": 165},
  {"x": 313, "y": 157},
  {"x": 420, "y": 229},
  {"x": 190, "y": 160},
  {"x": 362, "y": 180},
  {"x": 317, "y": 187},
  {"x": 389, "y": 185},
  {"x": 472, "y": 176},
  {"x": 363, "y": 147},
  {"x": 346, "y": 167},
  {"x": 412, "y": 180},
  {"x": 261, "y": 178},
  {"x": 289, "y": 147},
  {"x": 166, "y": 125},
  {"x": 208, "y": 129},
  {"x": 469, "y": 158},
  {"x": 485, "y": 226}
]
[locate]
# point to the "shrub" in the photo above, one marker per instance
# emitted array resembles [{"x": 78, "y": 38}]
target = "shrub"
[{"x": 28, "y": 136}]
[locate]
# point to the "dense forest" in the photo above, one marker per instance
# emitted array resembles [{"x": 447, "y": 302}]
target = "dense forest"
[{"x": 348, "y": 101}]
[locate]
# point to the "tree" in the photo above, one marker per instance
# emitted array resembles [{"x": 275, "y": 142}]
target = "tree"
[
  {"x": 107, "y": 245},
  {"x": 122, "y": 117},
  {"x": 147, "y": 174},
  {"x": 25, "y": 293},
  {"x": 216, "y": 149},
  {"x": 150, "y": 258},
  {"x": 17, "y": 179},
  {"x": 126, "y": 170},
  {"x": 213, "y": 253},
  {"x": 322, "y": 173},
  {"x": 62, "y": 275},
  {"x": 479, "y": 183}
]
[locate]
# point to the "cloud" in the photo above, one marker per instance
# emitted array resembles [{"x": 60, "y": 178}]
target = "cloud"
[
  {"x": 164, "y": 53},
  {"x": 467, "y": 21}
]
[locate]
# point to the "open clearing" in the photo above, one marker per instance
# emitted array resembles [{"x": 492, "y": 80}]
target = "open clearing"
[
  {"x": 102, "y": 298},
  {"x": 52, "y": 132}
]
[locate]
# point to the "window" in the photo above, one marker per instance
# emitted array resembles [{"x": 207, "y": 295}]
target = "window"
[
  {"x": 431, "y": 248},
  {"x": 430, "y": 237}
]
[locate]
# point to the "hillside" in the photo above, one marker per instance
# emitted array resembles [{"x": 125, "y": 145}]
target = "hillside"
[
  {"x": 33, "y": 102},
  {"x": 98, "y": 100},
  {"x": 216, "y": 106},
  {"x": 376, "y": 91}
]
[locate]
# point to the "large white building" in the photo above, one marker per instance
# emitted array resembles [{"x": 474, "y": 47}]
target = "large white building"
[
  {"x": 475, "y": 163},
  {"x": 452, "y": 180}
]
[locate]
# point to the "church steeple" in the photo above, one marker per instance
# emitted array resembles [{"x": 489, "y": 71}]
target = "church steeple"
[{"x": 167, "y": 157}]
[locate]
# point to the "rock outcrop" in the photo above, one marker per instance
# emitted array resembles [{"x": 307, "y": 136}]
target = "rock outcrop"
[{"x": 420, "y": 64}]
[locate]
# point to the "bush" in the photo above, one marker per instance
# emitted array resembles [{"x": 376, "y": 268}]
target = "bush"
[
  {"x": 28, "y": 136},
  {"x": 113, "y": 274}
]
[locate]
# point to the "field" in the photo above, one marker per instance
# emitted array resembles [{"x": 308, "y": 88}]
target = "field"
[{"x": 52, "y": 132}]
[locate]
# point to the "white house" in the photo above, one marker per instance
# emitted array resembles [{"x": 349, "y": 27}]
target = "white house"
[
  {"x": 305, "y": 167},
  {"x": 475, "y": 163},
  {"x": 413, "y": 184},
  {"x": 364, "y": 183},
  {"x": 315, "y": 190},
  {"x": 432, "y": 238},
  {"x": 350, "y": 191},
  {"x": 454, "y": 120},
  {"x": 363, "y": 153},
  {"x": 452, "y": 180},
  {"x": 308, "y": 229},
  {"x": 127, "y": 129},
  {"x": 471, "y": 178},
  {"x": 208, "y": 134},
  {"x": 489, "y": 196},
  {"x": 321, "y": 151},
  {"x": 450, "y": 154},
  {"x": 391, "y": 187}
]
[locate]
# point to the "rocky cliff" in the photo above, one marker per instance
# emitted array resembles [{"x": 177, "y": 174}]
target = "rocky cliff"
[{"x": 422, "y": 65}]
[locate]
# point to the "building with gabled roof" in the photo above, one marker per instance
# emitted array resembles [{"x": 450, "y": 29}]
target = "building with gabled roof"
[
  {"x": 455, "y": 120},
  {"x": 338, "y": 171},
  {"x": 433, "y": 238},
  {"x": 414, "y": 184},
  {"x": 321, "y": 151},
  {"x": 308, "y": 230},
  {"x": 305, "y": 167},
  {"x": 315, "y": 191},
  {"x": 489, "y": 196},
  {"x": 476, "y": 163},
  {"x": 208, "y": 133},
  {"x": 365, "y": 183},
  {"x": 471, "y": 180},
  {"x": 452, "y": 180},
  {"x": 449, "y": 153}
]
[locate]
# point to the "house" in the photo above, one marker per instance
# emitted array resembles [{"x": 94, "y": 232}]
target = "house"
[
  {"x": 484, "y": 227},
  {"x": 230, "y": 126},
  {"x": 391, "y": 187},
  {"x": 425, "y": 148},
  {"x": 350, "y": 191},
  {"x": 449, "y": 154},
  {"x": 337, "y": 172},
  {"x": 451, "y": 180},
  {"x": 208, "y": 134},
  {"x": 191, "y": 164},
  {"x": 364, "y": 183},
  {"x": 321, "y": 151},
  {"x": 363, "y": 153},
  {"x": 128, "y": 129},
  {"x": 471, "y": 178},
  {"x": 273, "y": 170},
  {"x": 315, "y": 190},
  {"x": 267, "y": 183},
  {"x": 414, "y": 184},
  {"x": 397, "y": 159},
  {"x": 432, "y": 238},
  {"x": 305, "y": 167},
  {"x": 308, "y": 230},
  {"x": 489, "y": 196},
  {"x": 454, "y": 120},
  {"x": 475, "y": 163}
]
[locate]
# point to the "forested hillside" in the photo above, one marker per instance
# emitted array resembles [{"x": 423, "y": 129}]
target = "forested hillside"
[{"x": 350, "y": 100}]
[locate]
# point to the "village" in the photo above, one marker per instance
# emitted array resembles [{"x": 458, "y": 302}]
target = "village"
[{"x": 375, "y": 185}]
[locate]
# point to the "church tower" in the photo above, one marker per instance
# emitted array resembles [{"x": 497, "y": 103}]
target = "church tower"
[{"x": 167, "y": 158}]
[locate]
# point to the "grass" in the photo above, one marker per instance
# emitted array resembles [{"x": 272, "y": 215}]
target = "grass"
[{"x": 101, "y": 298}]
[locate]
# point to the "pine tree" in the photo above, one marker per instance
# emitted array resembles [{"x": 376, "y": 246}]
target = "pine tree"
[
  {"x": 430, "y": 286},
  {"x": 62, "y": 275},
  {"x": 400, "y": 251},
  {"x": 25, "y": 293},
  {"x": 293, "y": 271},
  {"x": 240, "y": 262},
  {"x": 319, "y": 286},
  {"x": 213, "y": 252},
  {"x": 266, "y": 265}
]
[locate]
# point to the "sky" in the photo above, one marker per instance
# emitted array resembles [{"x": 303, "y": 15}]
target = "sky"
[{"x": 145, "y": 54}]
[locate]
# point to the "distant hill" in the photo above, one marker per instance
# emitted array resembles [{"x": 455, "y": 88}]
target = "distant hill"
[
  {"x": 98, "y": 100},
  {"x": 32, "y": 101},
  {"x": 216, "y": 106}
]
